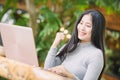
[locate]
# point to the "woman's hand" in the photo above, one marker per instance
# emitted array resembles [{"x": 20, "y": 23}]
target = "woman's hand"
[
  {"x": 59, "y": 36},
  {"x": 60, "y": 70}
]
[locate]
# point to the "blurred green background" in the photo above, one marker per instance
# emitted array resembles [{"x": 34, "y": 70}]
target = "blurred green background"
[{"x": 46, "y": 17}]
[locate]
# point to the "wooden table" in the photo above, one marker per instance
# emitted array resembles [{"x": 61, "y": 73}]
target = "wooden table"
[{"x": 15, "y": 70}]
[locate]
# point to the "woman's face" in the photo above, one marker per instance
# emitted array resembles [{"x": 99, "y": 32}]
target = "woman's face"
[{"x": 85, "y": 28}]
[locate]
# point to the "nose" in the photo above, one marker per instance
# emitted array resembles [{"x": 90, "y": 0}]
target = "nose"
[{"x": 82, "y": 27}]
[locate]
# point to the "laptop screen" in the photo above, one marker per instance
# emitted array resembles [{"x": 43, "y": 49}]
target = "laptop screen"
[{"x": 19, "y": 43}]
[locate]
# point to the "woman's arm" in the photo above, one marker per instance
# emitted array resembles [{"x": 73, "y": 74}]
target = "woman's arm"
[
  {"x": 51, "y": 59},
  {"x": 95, "y": 67}
]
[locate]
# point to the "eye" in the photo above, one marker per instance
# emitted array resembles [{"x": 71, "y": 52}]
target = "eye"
[
  {"x": 88, "y": 26},
  {"x": 80, "y": 23}
]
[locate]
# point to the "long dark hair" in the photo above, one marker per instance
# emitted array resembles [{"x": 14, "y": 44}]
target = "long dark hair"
[{"x": 97, "y": 37}]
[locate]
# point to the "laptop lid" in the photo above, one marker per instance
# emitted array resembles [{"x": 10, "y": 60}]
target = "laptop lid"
[{"x": 19, "y": 43}]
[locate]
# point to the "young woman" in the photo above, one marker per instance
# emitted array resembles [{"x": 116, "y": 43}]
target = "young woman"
[{"x": 83, "y": 57}]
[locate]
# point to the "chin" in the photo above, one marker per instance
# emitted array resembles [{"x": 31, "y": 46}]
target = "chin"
[{"x": 81, "y": 38}]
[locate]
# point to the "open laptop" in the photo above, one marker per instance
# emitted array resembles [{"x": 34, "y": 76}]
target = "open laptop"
[{"x": 19, "y": 43}]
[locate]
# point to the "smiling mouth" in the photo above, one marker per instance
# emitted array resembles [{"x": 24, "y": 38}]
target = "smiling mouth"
[{"x": 82, "y": 33}]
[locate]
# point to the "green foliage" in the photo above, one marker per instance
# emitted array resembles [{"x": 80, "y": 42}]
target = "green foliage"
[
  {"x": 113, "y": 53},
  {"x": 1, "y": 78},
  {"x": 110, "y": 5},
  {"x": 113, "y": 62},
  {"x": 40, "y": 2},
  {"x": 8, "y": 4},
  {"x": 48, "y": 26},
  {"x": 22, "y": 20}
]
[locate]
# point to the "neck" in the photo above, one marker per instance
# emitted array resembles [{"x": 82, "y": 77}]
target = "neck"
[{"x": 85, "y": 41}]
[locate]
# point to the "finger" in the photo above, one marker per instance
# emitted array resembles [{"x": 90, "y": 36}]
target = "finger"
[
  {"x": 51, "y": 70},
  {"x": 62, "y": 36}
]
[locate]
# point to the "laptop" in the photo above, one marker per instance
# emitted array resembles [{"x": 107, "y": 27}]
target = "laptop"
[{"x": 19, "y": 43}]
